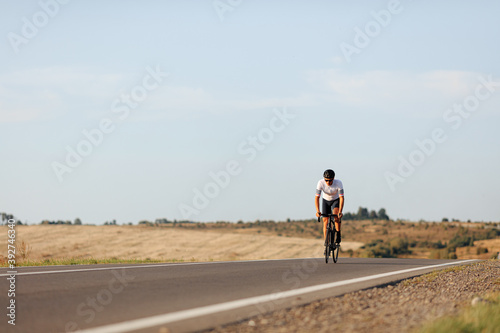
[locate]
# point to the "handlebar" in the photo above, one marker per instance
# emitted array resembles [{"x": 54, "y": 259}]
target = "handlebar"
[{"x": 326, "y": 215}]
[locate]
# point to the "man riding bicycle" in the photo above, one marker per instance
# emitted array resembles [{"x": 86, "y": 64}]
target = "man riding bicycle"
[{"x": 333, "y": 200}]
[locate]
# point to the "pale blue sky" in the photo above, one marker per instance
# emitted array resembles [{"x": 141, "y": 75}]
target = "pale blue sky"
[{"x": 227, "y": 80}]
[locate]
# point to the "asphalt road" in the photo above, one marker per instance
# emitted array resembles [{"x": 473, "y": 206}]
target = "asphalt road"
[{"x": 183, "y": 297}]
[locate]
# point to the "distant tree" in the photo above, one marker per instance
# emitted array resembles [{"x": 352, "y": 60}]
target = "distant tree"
[
  {"x": 146, "y": 222},
  {"x": 373, "y": 214},
  {"x": 382, "y": 214},
  {"x": 445, "y": 219},
  {"x": 6, "y": 217},
  {"x": 162, "y": 221},
  {"x": 362, "y": 213},
  {"x": 78, "y": 221},
  {"x": 348, "y": 216}
]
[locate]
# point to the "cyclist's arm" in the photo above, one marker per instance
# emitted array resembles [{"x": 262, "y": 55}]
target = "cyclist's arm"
[
  {"x": 341, "y": 204},
  {"x": 316, "y": 198}
]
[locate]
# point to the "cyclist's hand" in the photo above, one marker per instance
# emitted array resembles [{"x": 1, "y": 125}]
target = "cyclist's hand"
[
  {"x": 340, "y": 215},
  {"x": 318, "y": 214}
]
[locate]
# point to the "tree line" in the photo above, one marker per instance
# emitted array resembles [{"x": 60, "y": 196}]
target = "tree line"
[
  {"x": 77, "y": 221},
  {"x": 365, "y": 214},
  {"x": 362, "y": 214}
]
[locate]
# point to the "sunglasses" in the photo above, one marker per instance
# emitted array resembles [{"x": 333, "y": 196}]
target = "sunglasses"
[{"x": 328, "y": 180}]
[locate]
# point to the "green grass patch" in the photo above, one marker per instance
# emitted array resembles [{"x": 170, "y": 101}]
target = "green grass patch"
[
  {"x": 433, "y": 275},
  {"x": 481, "y": 318}
]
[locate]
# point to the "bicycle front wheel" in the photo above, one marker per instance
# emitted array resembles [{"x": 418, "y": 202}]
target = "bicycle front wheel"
[{"x": 335, "y": 250}]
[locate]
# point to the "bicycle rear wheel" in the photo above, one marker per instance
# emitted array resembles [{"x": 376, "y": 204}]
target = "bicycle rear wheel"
[{"x": 327, "y": 246}]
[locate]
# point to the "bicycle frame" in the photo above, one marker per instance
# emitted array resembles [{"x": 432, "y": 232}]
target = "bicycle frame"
[{"x": 330, "y": 246}]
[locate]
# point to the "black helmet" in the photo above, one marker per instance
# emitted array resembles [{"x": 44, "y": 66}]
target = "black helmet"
[{"x": 329, "y": 174}]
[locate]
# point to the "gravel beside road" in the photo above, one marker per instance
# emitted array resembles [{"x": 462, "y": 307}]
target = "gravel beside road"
[{"x": 401, "y": 307}]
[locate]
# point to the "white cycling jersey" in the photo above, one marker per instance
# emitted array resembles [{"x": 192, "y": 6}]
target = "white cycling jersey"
[{"x": 330, "y": 192}]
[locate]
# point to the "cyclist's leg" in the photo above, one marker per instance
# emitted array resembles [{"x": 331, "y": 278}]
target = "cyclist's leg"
[
  {"x": 325, "y": 209},
  {"x": 338, "y": 223},
  {"x": 325, "y": 227}
]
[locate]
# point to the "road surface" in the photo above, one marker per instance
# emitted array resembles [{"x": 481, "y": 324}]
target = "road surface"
[{"x": 184, "y": 297}]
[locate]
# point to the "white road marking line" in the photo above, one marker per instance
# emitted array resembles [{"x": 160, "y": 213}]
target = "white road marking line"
[
  {"x": 142, "y": 266},
  {"x": 157, "y": 320}
]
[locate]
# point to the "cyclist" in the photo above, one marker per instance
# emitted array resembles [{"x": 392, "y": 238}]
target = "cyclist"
[{"x": 333, "y": 200}]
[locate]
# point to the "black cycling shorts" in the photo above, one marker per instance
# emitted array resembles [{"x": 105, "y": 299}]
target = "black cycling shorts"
[{"x": 328, "y": 206}]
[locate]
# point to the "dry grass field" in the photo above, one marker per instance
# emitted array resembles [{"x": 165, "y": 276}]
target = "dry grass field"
[
  {"x": 383, "y": 237},
  {"x": 493, "y": 246},
  {"x": 247, "y": 241},
  {"x": 161, "y": 243}
]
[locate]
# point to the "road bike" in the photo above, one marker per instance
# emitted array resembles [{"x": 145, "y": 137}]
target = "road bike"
[{"x": 330, "y": 246}]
